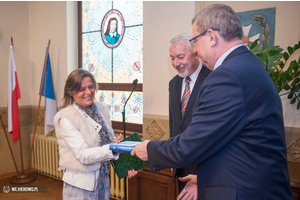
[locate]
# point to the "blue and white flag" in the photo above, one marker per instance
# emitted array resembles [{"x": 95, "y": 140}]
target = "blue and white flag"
[{"x": 48, "y": 93}]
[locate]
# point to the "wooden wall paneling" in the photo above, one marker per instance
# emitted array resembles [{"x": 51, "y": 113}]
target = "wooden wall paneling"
[{"x": 149, "y": 186}]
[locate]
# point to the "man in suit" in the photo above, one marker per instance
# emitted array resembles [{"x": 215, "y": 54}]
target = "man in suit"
[
  {"x": 188, "y": 67},
  {"x": 236, "y": 137}
]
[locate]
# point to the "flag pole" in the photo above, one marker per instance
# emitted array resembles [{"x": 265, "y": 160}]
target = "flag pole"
[
  {"x": 8, "y": 144},
  {"x": 20, "y": 143},
  {"x": 20, "y": 178},
  {"x": 38, "y": 110}
]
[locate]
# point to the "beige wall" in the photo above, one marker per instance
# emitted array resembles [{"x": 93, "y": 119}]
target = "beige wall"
[
  {"x": 162, "y": 21},
  {"x": 48, "y": 20},
  {"x": 32, "y": 24},
  {"x": 287, "y": 19},
  {"x": 15, "y": 23}
]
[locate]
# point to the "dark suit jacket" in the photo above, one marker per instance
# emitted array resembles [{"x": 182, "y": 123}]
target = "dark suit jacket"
[
  {"x": 236, "y": 137},
  {"x": 177, "y": 123}
]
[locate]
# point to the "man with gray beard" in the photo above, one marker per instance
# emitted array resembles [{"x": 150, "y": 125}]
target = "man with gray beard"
[{"x": 181, "y": 103}]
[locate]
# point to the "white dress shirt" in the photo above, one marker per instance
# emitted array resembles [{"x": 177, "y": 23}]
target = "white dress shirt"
[
  {"x": 222, "y": 58},
  {"x": 193, "y": 77}
]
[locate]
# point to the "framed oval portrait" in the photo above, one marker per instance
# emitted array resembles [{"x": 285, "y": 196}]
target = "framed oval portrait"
[{"x": 112, "y": 28}]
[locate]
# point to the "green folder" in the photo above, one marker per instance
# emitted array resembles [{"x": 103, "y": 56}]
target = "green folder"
[{"x": 126, "y": 161}]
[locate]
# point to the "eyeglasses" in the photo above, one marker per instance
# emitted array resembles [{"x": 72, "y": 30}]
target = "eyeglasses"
[{"x": 193, "y": 41}]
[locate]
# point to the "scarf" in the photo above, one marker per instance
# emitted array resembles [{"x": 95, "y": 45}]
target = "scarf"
[{"x": 105, "y": 136}]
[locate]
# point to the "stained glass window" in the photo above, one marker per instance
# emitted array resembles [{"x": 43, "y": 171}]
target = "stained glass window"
[
  {"x": 112, "y": 50},
  {"x": 115, "y": 101}
]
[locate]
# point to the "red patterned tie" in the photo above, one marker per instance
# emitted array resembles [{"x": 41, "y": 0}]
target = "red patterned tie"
[{"x": 186, "y": 95}]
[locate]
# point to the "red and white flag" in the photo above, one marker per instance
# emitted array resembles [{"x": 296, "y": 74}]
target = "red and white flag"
[{"x": 13, "y": 96}]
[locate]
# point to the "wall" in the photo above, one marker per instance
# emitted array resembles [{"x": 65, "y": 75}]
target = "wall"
[
  {"x": 48, "y": 21},
  {"x": 32, "y": 24},
  {"x": 12, "y": 26},
  {"x": 162, "y": 21}
]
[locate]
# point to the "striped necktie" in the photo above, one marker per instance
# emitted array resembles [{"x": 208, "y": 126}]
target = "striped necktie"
[{"x": 186, "y": 95}]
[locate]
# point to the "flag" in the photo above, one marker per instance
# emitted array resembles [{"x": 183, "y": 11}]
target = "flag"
[
  {"x": 48, "y": 93},
  {"x": 13, "y": 96}
]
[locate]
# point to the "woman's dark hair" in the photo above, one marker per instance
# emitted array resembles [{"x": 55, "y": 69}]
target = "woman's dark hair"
[
  {"x": 108, "y": 26},
  {"x": 73, "y": 85}
]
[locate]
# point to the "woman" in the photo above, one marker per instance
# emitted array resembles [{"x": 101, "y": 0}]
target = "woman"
[
  {"x": 111, "y": 34},
  {"x": 83, "y": 130}
]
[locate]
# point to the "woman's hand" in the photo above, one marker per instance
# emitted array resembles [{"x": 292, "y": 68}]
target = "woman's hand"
[
  {"x": 118, "y": 138},
  {"x": 132, "y": 172}
]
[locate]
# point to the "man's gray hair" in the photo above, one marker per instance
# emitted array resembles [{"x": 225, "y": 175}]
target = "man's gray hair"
[
  {"x": 182, "y": 37},
  {"x": 221, "y": 17}
]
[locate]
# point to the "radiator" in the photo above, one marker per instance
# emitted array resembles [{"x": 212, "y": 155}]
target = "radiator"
[
  {"x": 45, "y": 159},
  {"x": 116, "y": 185},
  {"x": 45, "y": 156}
]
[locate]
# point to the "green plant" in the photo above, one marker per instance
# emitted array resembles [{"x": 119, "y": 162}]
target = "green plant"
[{"x": 286, "y": 78}]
